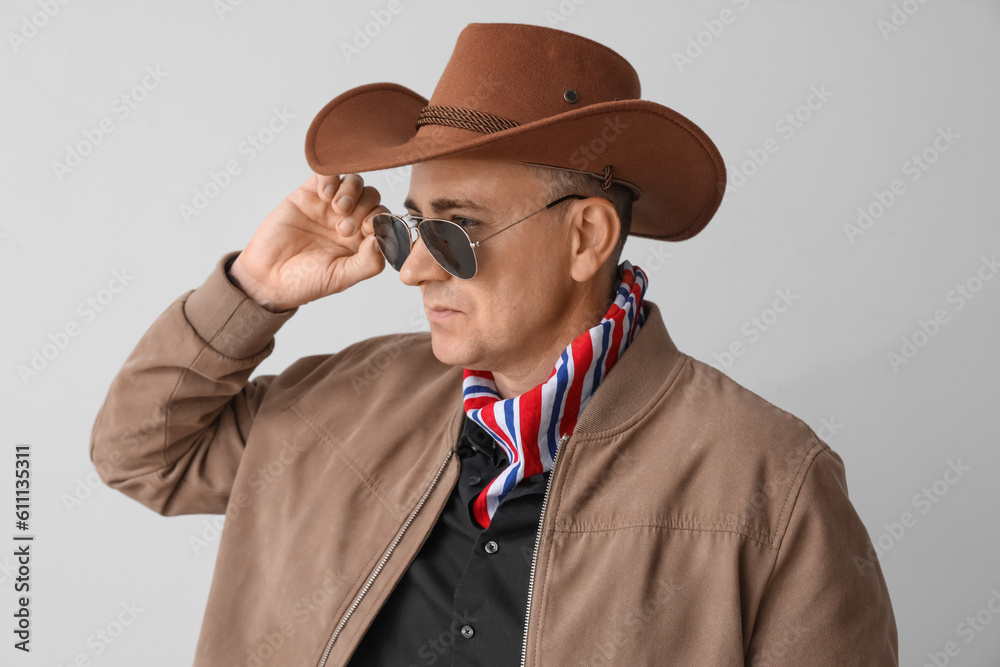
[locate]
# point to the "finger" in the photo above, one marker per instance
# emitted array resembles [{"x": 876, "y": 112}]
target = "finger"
[
  {"x": 369, "y": 199},
  {"x": 368, "y": 224},
  {"x": 348, "y": 193},
  {"x": 326, "y": 186}
]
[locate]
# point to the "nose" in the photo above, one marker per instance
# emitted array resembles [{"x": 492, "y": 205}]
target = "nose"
[{"x": 420, "y": 268}]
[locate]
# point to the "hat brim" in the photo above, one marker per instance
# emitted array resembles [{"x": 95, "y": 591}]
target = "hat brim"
[{"x": 677, "y": 167}]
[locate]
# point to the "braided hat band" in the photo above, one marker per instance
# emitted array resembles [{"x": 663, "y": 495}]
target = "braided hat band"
[
  {"x": 535, "y": 95},
  {"x": 477, "y": 121},
  {"x": 466, "y": 119}
]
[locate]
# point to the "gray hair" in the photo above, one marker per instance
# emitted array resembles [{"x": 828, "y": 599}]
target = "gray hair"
[{"x": 564, "y": 181}]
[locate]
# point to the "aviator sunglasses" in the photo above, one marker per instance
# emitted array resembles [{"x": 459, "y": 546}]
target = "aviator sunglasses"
[{"x": 447, "y": 242}]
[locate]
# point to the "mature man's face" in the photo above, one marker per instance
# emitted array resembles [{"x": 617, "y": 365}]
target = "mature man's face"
[{"x": 511, "y": 314}]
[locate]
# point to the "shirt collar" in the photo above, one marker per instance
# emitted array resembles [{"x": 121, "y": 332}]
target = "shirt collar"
[{"x": 474, "y": 439}]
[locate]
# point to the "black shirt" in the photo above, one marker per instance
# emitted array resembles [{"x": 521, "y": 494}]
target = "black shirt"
[{"x": 462, "y": 600}]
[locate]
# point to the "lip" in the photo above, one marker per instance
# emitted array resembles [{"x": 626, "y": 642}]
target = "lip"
[{"x": 439, "y": 314}]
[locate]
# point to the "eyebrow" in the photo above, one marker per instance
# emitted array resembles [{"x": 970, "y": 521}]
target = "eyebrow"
[{"x": 447, "y": 203}]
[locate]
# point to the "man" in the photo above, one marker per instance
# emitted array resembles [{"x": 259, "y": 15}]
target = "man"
[{"x": 543, "y": 478}]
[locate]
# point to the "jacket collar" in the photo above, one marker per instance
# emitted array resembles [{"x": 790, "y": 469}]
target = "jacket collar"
[{"x": 636, "y": 379}]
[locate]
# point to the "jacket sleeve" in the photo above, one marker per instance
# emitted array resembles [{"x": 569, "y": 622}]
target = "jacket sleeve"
[
  {"x": 826, "y": 602},
  {"x": 172, "y": 429}
]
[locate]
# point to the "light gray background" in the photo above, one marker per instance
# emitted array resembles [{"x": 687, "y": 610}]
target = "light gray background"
[{"x": 826, "y": 358}]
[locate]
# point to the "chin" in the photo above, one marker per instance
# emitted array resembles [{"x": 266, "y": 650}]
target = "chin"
[{"x": 447, "y": 350}]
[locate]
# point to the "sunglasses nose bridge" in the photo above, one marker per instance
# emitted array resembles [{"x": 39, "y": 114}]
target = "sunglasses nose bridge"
[
  {"x": 436, "y": 253},
  {"x": 412, "y": 229}
]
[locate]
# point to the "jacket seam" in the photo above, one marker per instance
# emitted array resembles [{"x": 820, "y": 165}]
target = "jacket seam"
[
  {"x": 669, "y": 525},
  {"x": 360, "y": 348},
  {"x": 672, "y": 375},
  {"x": 208, "y": 343},
  {"x": 351, "y": 464},
  {"x": 166, "y": 431},
  {"x": 796, "y": 490},
  {"x": 633, "y": 421},
  {"x": 170, "y": 400},
  {"x": 780, "y": 412},
  {"x": 675, "y": 373}
]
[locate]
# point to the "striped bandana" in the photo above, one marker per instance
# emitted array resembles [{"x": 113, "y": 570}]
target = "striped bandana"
[{"x": 528, "y": 427}]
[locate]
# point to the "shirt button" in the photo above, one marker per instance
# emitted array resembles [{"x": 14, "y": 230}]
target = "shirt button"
[
  {"x": 491, "y": 547},
  {"x": 475, "y": 479},
  {"x": 467, "y": 631}
]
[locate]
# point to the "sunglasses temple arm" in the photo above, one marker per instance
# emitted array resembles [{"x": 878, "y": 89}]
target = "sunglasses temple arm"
[
  {"x": 558, "y": 201},
  {"x": 476, "y": 244}
]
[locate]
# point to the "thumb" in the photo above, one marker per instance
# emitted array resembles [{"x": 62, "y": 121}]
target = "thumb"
[{"x": 368, "y": 260}]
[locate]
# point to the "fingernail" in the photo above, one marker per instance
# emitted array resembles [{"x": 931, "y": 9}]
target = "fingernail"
[
  {"x": 347, "y": 226},
  {"x": 328, "y": 190},
  {"x": 345, "y": 203}
]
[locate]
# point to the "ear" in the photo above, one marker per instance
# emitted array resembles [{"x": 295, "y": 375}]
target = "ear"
[{"x": 593, "y": 229}]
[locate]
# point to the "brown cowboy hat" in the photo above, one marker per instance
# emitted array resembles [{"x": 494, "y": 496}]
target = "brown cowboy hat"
[{"x": 538, "y": 95}]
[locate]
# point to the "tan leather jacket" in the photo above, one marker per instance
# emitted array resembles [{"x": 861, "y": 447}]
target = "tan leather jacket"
[{"x": 687, "y": 521}]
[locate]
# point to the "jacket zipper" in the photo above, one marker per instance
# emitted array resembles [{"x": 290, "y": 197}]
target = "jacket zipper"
[
  {"x": 534, "y": 555},
  {"x": 382, "y": 561}
]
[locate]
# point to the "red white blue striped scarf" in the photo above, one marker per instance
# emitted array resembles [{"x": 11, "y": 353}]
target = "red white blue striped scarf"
[{"x": 528, "y": 427}]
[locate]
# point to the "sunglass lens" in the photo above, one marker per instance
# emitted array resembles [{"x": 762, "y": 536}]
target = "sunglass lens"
[
  {"x": 393, "y": 239},
  {"x": 449, "y": 245}
]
